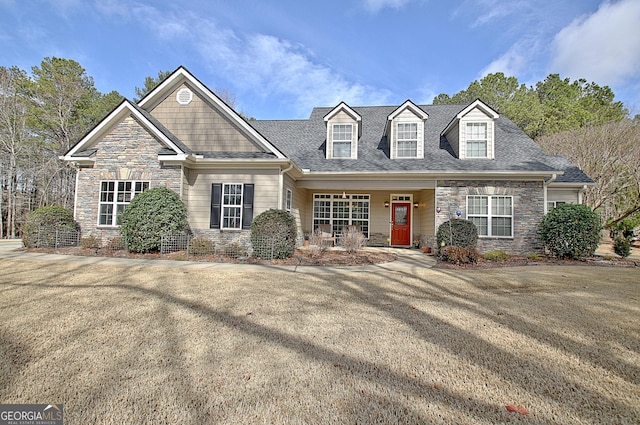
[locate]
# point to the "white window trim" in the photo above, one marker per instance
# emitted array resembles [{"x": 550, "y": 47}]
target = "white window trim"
[
  {"x": 115, "y": 203},
  {"x": 341, "y": 141},
  {"x": 490, "y": 215},
  {"x": 239, "y": 206},
  {"x": 333, "y": 197},
  {"x": 490, "y": 138},
  {"x": 485, "y": 140},
  {"x": 398, "y": 139},
  {"x": 288, "y": 203}
]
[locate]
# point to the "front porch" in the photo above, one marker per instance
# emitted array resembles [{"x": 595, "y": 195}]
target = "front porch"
[{"x": 400, "y": 218}]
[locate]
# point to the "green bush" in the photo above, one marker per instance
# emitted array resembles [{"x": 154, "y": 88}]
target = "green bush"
[
  {"x": 457, "y": 232},
  {"x": 274, "y": 231},
  {"x": 149, "y": 216},
  {"x": 622, "y": 246},
  {"x": 46, "y": 220},
  {"x": 459, "y": 255},
  {"x": 571, "y": 231},
  {"x": 496, "y": 255}
]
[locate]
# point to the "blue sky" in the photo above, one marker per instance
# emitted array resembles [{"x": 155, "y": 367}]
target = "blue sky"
[{"x": 281, "y": 58}]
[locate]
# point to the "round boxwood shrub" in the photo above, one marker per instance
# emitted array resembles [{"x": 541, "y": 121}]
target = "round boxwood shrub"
[
  {"x": 571, "y": 231},
  {"x": 149, "y": 216},
  {"x": 457, "y": 232},
  {"x": 273, "y": 234},
  {"x": 46, "y": 220}
]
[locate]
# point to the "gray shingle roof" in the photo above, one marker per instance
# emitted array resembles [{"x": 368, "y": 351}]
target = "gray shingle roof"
[{"x": 304, "y": 142}]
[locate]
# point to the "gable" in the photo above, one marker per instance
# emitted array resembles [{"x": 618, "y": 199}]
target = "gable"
[
  {"x": 407, "y": 114},
  {"x": 460, "y": 128},
  {"x": 199, "y": 125}
]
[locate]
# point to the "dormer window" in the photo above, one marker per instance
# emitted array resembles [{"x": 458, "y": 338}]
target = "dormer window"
[
  {"x": 471, "y": 133},
  {"x": 476, "y": 137},
  {"x": 405, "y": 130},
  {"x": 342, "y": 140},
  {"x": 343, "y": 130},
  {"x": 407, "y": 141}
]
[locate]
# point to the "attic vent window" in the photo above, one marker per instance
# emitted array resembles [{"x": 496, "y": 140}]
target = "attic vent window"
[{"x": 184, "y": 96}]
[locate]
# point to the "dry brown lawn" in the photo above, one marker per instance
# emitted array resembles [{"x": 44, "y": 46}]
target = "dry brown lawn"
[{"x": 138, "y": 344}]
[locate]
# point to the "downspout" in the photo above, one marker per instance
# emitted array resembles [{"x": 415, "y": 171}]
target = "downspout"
[
  {"x": 75, "y": 195},
  {"x": 546, "y": 185},
  {"x": 281, "y": 184},
  {"x": 581, "y": 194}
]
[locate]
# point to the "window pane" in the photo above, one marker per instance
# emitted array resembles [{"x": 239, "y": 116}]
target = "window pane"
[
  {"x": 231, "y": 217},
  {"x": 476, "y": 149},
  {"x": 501, "y": 226},
  {"x": 342, "y": 132},
  {"x": 106, "y": 214},
  {"x": 478, "y": 205},
  {"x": 501, "y": 206},
  {"x": 407, "y": 131},
  {"x": 407, "y": 149},
  {"x": 481, "y": 224},
  {"x": 342, "y": 149}
]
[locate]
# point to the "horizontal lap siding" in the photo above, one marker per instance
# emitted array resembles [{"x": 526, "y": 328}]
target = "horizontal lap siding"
[
  {"x": 199, "y": 126},
  {"x": 200, "y": 181}
]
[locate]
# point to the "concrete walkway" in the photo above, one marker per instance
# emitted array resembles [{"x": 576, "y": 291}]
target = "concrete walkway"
[{"x": 409, "y": 261}]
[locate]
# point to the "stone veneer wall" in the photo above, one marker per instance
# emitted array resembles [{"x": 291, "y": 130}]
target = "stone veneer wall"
[
  {"x": 528, "y": 208},
  {"x": 128, "y": 152}
]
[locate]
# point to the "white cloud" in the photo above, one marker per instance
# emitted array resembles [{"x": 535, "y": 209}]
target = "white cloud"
[
  {"x": 260, "y": 64},
  {"x": 377, "y": 5},
  {"x": 512, "y": 63},
  {"x": 603, "y": 47}
]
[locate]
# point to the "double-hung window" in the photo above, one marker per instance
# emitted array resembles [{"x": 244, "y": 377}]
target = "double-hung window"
[
  {"x": 476, "y": 136},
  {"x": 492, "y": 215},
  {"x": 342, "y": 139},
  {"x": 407, "y": 140},
  {"x": 114, "y": 197},
  {"x": 231, "y": 206}
]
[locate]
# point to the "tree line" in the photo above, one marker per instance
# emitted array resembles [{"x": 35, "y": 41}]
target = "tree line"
[{"x": 45, "y": 112}]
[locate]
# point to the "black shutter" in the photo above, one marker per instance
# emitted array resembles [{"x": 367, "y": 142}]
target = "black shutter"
[
  {"x": 247, "y": 206},
  {"x": 216, "y": 205}
]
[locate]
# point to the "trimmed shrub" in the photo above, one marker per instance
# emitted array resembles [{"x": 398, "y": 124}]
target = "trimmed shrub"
[
  {"x": 150, "y": 215},
  {"x": 571, "y": 231},
  {"x": 47, "y": 220},
  {"x": 496, "y": 255},
  {"x": 457, "y": 232},
  {"x": 459, "y": 255},
  {"x": 278, "y": 227},
  {"x": 622, "y": 246}
]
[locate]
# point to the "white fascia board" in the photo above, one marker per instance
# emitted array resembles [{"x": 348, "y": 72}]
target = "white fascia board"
[
  {"x": 570, "y": 185},
  {"x": 476, "y": 103},
  {"x": 105, "y": 125},
  {"x": 408, "y": 104},
  {"x": 181, "y": 75},
  {"x": 343, "y": 107}
]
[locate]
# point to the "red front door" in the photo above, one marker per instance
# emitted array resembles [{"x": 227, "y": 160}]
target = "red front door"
[{"x": 401, "y": 224}]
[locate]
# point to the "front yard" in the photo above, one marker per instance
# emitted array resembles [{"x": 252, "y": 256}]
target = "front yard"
[{"x": 191, "y": 345}]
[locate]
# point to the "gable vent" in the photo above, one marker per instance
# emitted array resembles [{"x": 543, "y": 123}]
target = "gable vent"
[{"x": 184, "y": 96}]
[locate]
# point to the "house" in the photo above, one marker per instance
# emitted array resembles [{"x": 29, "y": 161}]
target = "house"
[{"x": 397, "y": 172}]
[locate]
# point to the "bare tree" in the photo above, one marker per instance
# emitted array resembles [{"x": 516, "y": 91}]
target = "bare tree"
[
  {"x": 610, "y": 155},
  {"x": 14, "y": 137}
]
